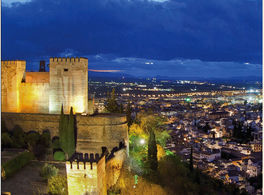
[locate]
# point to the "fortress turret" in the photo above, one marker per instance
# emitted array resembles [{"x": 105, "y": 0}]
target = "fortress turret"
[
  {"x": 12, "y": 73},
  {"x": 68, "y": 84}
]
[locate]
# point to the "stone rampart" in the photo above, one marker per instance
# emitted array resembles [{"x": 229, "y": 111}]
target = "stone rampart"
[
  {"x": 103, "y": 130},
  {"x": 93, "y": 132},
  {"x": 29, "y": 122}
]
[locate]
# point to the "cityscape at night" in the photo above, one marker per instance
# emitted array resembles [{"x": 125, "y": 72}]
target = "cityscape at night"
[{"x": 155, "y": 97}]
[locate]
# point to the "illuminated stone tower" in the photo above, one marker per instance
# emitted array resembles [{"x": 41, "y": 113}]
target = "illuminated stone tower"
[
  {"x": 68, "y": 85},
  {"x": 86, "y": 176},
  {"x": 12, "y": 73}
]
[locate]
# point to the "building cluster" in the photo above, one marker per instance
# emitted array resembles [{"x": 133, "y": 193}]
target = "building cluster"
[
  {"x": 209, "y": 127},
  {"x": 207, "y": 123}
]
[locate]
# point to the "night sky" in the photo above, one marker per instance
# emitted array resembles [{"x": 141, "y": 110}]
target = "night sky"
[{"x": 175, "y": 38}]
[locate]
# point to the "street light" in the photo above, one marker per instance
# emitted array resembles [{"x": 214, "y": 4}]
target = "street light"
[{"x": 142, "y": 141}]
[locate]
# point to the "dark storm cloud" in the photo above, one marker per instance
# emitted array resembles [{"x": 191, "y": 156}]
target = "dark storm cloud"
[
  {"x": 211, "y": 31},
  {"x": 175, "y": 67}
]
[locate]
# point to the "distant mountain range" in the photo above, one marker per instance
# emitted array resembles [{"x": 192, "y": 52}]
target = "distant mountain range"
[{"x": 119, "y": 75}]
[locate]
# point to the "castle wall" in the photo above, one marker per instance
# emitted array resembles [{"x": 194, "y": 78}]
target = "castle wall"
[
  {"x": 93, "y": 132},
  {"x": 86, "y": 177},
  {"x": 68, "y": 85},
  {"x": 29, "y": 122},
  {"x": 34, "y": 97},
  {"x": 12, "y": 73},
  {"x": 101, "y": 177},
  {"x": 106, "y": 130},
  {"x": 37, "y": 77},
  {"x": 113, "y": 167}
]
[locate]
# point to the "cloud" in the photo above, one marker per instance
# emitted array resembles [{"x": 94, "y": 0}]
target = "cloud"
[
  {"x": 175, "y": 67},
  {"x": 211, "y": 31},
  {"x": 10, "y": 3}
]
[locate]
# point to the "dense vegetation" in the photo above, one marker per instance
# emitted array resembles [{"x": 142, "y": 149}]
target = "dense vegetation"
[
  {"x": 41, "y": 145},
  {"x": 38, "y": 144},
  {"x": 171, "y": 175},
  {"x": 10, "y": 167},
  {"x": 241, "y": 133},
  {"x": 57, "y": 185}
]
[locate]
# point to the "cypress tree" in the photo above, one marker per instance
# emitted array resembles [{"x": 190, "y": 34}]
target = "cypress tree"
[
  {"x": 152, "y": 151},
  {"x": 128, "y": 115},
  {"x": 191, "y": 159},
  {"x": 70, "y": 135},
  {"x": 66, "y": 132},
  {"x": 62, "y": 133},
  {"x": 121, "y": 108},
  {"x": 111, "y": 104}
]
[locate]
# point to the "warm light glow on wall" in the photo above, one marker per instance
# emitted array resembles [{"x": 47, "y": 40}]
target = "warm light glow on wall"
[{"x": 78, "y": 104}]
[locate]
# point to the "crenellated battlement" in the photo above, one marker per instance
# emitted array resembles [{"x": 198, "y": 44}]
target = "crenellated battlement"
[
  {"x": 95, "y": 157},
  {"x": 68, "y": 59},
  {"x": 78, "y": 165},
  {"x": 85, "y": 157},
  {"x": 9, "y": 62}
]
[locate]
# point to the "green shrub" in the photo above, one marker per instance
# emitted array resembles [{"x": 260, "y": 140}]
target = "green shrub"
[
  {"x": 57, "y": 185},
  {"x": 18, "y": 137},
  {"x": 48, "y": 171},
  {"x": 45, "y": 139},
  {"x": 6, "y": 140},
  {"x": 31, "y": 139},
  {"x": 59, "y": 155},
  {"x": 15, "y": 164},
  {"x": 56, "y": 143},
  {"x": 3, "y": 127}
]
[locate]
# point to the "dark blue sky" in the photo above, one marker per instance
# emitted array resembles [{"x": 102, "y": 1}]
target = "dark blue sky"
[{"x": 201, "y": 38}]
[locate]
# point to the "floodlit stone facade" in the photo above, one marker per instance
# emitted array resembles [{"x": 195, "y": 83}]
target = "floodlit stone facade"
[
  {"x": 94, "y": 174},
  {"x": 12, "y": 73},
  {"x": 86, "y": 177},
  {"x": 45, "y": 92}
]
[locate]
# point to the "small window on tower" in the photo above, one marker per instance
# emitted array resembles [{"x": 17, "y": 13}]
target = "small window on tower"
[{"x": 65, "y": 69}]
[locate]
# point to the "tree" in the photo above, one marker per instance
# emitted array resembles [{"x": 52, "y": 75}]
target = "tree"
[
  {"x": 191, "y": 159},
  {"x": 70, "y": 136},
  {"x": 111, "y": 104},
  {"x": 32, "y": 139},
  {"x": 66, "y": 131},
  {"x": 152, "y": 151},
  {"x": 245, "y": 102},
  {"x": 62, "y": 129},
  {"x": 121, "y": 108},
  {"x": 206, "y": 128},
  {"x": 18, "y": 137},
  {"x": 3, "y": 127},
  {"x": 6, "y": 140},
  {"x": 45, "y": 139},
  {"x": 128, "y": 115}
]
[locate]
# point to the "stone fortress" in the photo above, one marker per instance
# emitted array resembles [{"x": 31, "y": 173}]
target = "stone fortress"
[
  {"x": 44, "y": 92},
  {"x": 32, "y": 100}
]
